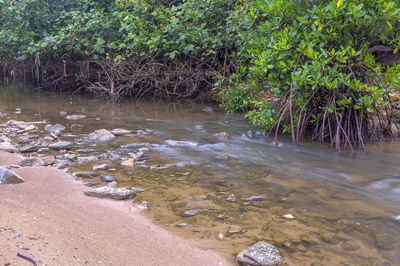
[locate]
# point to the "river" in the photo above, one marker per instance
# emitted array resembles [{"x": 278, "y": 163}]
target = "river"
[{"x": 319, "y": 207}]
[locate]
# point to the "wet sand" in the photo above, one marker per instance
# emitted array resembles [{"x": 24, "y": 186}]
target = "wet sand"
[{"x": 49, "y": 219}]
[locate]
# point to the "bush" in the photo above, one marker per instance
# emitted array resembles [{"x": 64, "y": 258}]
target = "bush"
[{"x": 317, "y": 60}]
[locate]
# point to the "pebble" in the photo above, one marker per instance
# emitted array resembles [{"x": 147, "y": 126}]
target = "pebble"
[{"x": 288, "y": 216}]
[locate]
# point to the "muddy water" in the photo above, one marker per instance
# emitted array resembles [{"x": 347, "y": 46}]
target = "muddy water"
[{"x": 320, "y": 207}]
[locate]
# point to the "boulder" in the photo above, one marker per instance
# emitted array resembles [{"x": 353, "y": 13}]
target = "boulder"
[
  {"x": 61, "y": 145},
  {"x": 111, "y": 193},
  {"x": 260, "y": 253},
  {"x": 9, "y": 177},
  {"x": 120, "y": 132},
  {"x": 101, "y": 135}
]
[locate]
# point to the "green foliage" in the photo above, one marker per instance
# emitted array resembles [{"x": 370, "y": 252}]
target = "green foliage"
[
  {"x": 313, "y": 57},
  {"x": 116, "y": 29}
]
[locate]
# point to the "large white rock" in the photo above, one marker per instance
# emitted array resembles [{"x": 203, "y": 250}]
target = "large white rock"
[
  {"x": 9, "y": 177},
  {"x": 261, "y": 253}
]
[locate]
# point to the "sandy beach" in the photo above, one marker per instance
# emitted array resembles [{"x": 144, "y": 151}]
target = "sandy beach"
[{"x": 49, "y": 219}]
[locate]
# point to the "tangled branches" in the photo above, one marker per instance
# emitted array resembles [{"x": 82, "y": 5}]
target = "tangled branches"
[{"x": 188, "y": 77}]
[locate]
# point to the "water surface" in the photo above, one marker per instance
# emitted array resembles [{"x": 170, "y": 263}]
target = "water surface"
[{"x": 346, "y": 206}]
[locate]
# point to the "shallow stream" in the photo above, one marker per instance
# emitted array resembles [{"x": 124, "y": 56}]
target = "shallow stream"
[{"x": 321, "y": 207}]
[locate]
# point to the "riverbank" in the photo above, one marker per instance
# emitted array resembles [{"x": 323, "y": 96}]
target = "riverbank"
[{"x": 49, "y": 219}]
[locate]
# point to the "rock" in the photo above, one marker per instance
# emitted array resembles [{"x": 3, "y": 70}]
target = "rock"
[
  {"x": 86, "y": 159},
  {"x": 143, "y": 206},
  {"x": 137, "y": 190},
  {"x": 288, "y": 216},
  {"x": 85, "y": 174},
  {"x": 69, "y": 156},
  {"x": 30, "y": 148},
  {"x": 136, "y": 155},
  {"x": 191, "y": 212},
  {"x": 55, "y": 129},
  {"x": 106, "y": 178},
  {"x": 9, "y": 177},
  {"x": 129, "y": 162},
  {"x": 208, "y": 109},
  {"x": 75, "y": 117},
  {"x": 101, "y": 135},
  {"x": 223, "y": 135},
  {"x": 63, "y": 113},
  {"x": 111, "y": 193},
  {"x": 61, "y": 145},
  {"x": 222, "y": 156},
  {"x": 112, "y": 184},
  {"x": 183, "y": 225},
  {"x": 8, "y": 147},
  {"x": 231, "y": 198},
  {"x": 30, "y": 128},
  {"x": 235, "y": 229},
  {"x": 44, "y": 151},
  {"x": 120, "y": 132},
  {"x": 255, "y": 198},
  {"x": 76, "y": 127},
  {"x": 260, "y": 253},
  {"x": 37, "y": 161},
  {"x": 85, "y": 150},
  {"x": 100, "y": 167},
  {"x": 395, "y": 129}
]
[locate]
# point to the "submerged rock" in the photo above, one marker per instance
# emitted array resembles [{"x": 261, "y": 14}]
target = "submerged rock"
[
  {"x": 255, "y": 198},
  {"x": 61, "y": 145},
  {"x": 120, "y": 132},
  {"x": 85, "y": 174},
  {"x": 76, "y": 127},
  {"x": 106, "y": 178},
  {"x": 111, "y": 193},
  {"x": 75, "y": 117},
  {"x": 129, "y": 162},
  {"x": 100, "y": 167},
  {"x": 55, "y": 129},
  {"x": 137, "y": 190},
  {"x": 143, "y": 206},
  {"x": 101, "y": 135},
  {"x": 9, "y": 177},
  {"x": 191, "y": 212},
  {"x": 260, "y": 253}
]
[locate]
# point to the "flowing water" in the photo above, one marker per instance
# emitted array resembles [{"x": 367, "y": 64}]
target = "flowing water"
[{"x": 321, "y": 207}]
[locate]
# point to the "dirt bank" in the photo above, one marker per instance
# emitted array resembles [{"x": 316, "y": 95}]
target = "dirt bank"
[{"x": 49, "y": 219}]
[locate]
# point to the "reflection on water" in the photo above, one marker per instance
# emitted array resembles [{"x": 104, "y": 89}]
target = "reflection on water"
[{"x": 345, "y": 206}]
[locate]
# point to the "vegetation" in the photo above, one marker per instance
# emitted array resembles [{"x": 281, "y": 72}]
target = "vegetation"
[{"x": 320, "y": 68}]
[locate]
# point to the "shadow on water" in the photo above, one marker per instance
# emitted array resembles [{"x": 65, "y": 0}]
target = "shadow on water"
[{"x": 320, "y": 207}]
